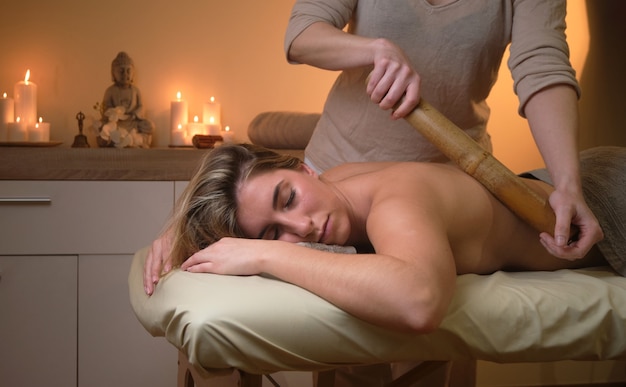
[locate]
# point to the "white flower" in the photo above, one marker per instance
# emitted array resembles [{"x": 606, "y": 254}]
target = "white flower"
[
  {"x": 115, "y": 114},
  {"x": 108, "y": 130}
]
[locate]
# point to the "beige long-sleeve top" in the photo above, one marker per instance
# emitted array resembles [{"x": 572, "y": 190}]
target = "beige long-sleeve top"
[{"x": 457, "y": 49}]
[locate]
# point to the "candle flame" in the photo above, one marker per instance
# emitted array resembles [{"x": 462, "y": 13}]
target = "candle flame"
[
  {"x": 195, "y": 118},
  {"x": 212, "y": 99},
  {"x": 40, "y": 119},
  {"x": 4, "y": 95},
  {"x": 27, "y": 77},
  {"x": 18, "y": 119},
  {"x": 37, "y": 125},
  {"x": 227, "y": 129},
  {"x": 211, "y": 120},
  {"x": 178, "y": 95}
]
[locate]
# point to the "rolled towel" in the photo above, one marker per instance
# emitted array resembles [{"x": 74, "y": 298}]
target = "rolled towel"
[{"x": 331, "y": 248}]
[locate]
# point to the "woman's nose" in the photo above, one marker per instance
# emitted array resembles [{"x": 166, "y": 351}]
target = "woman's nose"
[{"x": 300, "y": 227}]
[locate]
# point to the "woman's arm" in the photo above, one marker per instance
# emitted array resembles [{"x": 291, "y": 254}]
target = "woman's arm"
[
  {"x": 553, "y": 117},
  {"x": 377, "y": 288},
  {"x": 158, "y": 261}
]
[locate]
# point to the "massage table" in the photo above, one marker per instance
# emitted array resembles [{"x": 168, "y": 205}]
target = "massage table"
[{"x": 261, "y": 325}]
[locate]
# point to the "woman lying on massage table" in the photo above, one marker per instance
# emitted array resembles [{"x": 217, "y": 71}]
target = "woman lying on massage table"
[{"x": 425, "y": 222}]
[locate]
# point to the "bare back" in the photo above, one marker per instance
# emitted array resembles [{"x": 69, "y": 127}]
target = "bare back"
[{"x": 411, "y": 204}]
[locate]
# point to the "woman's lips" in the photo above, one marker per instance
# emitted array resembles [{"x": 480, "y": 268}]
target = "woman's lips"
[{"x": 324, "y": 233}]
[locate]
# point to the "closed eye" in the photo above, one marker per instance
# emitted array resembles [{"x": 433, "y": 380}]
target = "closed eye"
[
  {"x": 272, "y": 231},
  {"x": 290, "y": 199}
]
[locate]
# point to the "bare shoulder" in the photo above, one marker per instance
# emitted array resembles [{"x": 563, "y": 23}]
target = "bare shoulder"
[
  {"x": 423, "y": 177},
  {"x": 395, "y": 179},
  {"x": 350, "y": 170}
]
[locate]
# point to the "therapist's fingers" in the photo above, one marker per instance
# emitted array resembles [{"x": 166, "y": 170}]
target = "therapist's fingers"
[
  {"x": 576, "y": 225},
  {"x": 563, "y": 227},
  {"x": 570, "y": 252},
  {"x": 397, "y": 89},
  {"x": 409, "y": 101},
  {"x": 586, "y": 238}
]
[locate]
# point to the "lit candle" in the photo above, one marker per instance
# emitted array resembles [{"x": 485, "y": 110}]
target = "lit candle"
[
  {"x": 212, "y": 128},
  {"x": 6, "y": 115},
  {"x": 40, "y": 132},
  {"x": 178, "y": 114},
  {"x": 194, "y": 128},
  {"x": 228, "y": 135},
  {"x": 213, "y": 110},
  {"x": 17, "y": 131},
  {"x": 25, "y": 94},
  {"x": 178, "y": 136}
]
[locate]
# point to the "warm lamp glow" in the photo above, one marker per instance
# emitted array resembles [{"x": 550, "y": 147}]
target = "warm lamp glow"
[{"x": 27, "y": 77}]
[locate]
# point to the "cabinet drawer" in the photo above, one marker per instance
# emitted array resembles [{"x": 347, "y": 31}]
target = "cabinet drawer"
[
  {"x": 38, "y": 320},
  {"x": 81, "y": 217}
]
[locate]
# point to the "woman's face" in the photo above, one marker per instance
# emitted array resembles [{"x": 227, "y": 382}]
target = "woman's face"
[{"x": 292, "y": 206}]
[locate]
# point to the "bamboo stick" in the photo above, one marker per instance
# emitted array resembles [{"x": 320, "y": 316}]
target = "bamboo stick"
[{"x": 460, "y": 148}]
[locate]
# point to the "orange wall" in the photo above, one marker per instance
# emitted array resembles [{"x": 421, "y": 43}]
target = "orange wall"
[{"x": 204, "y": 49}]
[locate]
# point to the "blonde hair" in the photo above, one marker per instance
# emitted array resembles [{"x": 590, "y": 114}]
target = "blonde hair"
[{"x": 207, "y": 209}]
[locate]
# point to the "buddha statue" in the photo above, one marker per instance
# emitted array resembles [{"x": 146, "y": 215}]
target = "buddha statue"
[{"x": 122, "y": 109}]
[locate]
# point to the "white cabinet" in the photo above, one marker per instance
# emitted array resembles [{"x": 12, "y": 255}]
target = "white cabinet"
[
  {"x": 38, "y": 320},
  {"x": 84, "y": 217},
  {"x": 113, "y": 348},
  {"x": 65, "y": 253}
]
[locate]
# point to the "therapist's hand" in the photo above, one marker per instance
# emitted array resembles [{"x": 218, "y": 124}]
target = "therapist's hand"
[
  {"x": 393, "y": 83},
  {"x": 571, "y": 209}
]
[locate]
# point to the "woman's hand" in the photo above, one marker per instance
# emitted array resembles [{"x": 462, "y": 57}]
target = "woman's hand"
[
  {"x": 158, "y": 262},
  {"x": 571, "y": 209},
  {"x": 232, "y": 256},
  {"x": 393, "y": 83}
]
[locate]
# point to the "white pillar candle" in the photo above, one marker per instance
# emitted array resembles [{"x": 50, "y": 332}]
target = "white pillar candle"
[
  {"x": 18, "y": 130},
  {"x": 40, "y": 132},
  {"x": 178, "y": 136},
  {"x": 212, "y": 109},
  {"x": 178, "y": 113},
  {"x": 212, "y": 128},
  {"x": 194, "y": 128},
  {"x": 25, "y": 94},
  {"x": 6, "y": 115},
  {"x": 228, "y": 135}
]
